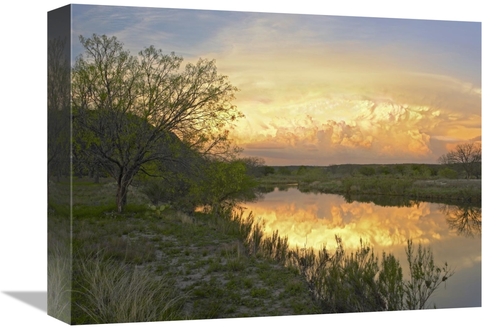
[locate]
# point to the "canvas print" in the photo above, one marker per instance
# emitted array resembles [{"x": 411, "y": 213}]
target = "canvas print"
[{"x": 211, "y": 164}]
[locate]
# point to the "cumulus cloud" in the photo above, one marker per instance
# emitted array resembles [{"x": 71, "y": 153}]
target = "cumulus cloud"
[
  {"x": 380, "y": 128},
  {"x": 323, "y": 89}
]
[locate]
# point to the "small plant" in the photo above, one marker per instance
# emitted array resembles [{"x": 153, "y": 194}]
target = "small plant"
[
  {"x": 157, "y": 210},
  {"x": 425, "y": 276}
]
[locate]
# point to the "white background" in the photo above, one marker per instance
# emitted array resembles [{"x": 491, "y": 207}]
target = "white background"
[{"x": 23, "y": 159}]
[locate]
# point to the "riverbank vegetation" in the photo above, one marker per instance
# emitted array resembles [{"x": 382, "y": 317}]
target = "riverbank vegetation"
[
  {"x": 144, "y": 265},
  {"x": 147, "y": 264},
  {"x": 445, "y": 183}
]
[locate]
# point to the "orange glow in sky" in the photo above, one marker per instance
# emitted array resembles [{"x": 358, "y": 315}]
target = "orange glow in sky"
[{"x": 320, "y": 90}]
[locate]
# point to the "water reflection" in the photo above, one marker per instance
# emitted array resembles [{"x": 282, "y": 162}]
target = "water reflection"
[
  {"x": 320, "y": 216},
  {"x": 465, "y": 220},
  {"x": 452, "y": 232}
]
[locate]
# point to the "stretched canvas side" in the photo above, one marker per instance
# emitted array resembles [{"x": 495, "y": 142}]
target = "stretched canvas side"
[{"x": 59, "y": 164}]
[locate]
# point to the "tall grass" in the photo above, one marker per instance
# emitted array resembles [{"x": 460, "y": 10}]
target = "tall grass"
[
  {"x": 111, "y": 292},
  {"x": 58, "y": 269},
  {"x": 59, "y": 284},
  {"x": 252, "y": 234}
]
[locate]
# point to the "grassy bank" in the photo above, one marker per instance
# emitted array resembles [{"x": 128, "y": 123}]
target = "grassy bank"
[
  {"x": 144, "y": 265},
  {"x": 147, "y": 266},
  {"x": 421, "y": 186}
]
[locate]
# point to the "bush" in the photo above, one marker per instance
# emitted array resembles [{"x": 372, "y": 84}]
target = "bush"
[
  {"x": 156, "y": 191},
  {"x": 384, "y": 170},
  {"x": 448, "y": 173},
  {"x": 367, "y": 171},
  {"x": 266, "y": 170},
  {"x": 313, "y": 175},
  {"x": 176, "y": 191},
  {"x": 284, "y": 171}
]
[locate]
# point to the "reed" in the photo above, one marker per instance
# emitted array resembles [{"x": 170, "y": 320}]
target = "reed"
[{"x": 357, "y": 281}]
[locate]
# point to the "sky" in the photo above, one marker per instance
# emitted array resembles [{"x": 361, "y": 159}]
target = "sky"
[{"x": 319, "y": 89}]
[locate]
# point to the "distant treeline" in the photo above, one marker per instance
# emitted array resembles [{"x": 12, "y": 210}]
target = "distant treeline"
[{"x": 451, "y": 171}]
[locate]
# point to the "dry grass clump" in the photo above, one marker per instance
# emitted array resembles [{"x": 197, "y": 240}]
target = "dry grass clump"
[
  {"x": 58, "y": 269},
  {"x": 59, "y": 285},
  {"x": 114, "y": 293}
]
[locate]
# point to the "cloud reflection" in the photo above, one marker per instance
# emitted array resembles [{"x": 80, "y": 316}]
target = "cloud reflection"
[{"x": 313, "y": 220}]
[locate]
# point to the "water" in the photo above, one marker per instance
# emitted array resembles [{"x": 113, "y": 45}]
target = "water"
[{"x": 452, "y": 232}]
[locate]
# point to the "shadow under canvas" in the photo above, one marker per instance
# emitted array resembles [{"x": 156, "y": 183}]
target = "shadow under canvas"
[{"x": 37, "y": 299}]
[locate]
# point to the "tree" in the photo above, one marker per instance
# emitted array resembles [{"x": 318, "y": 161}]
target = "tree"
[
  {"x": 224, "y": 183},
  {"x": 254, "y": 166},
  {"x": 468, "y": 155},
  {"x": 133, "y": 110},
  {"x": 58, "y": 106},
  {"x": 367, "y": 170},
  {"x": 464, "y": 219}
]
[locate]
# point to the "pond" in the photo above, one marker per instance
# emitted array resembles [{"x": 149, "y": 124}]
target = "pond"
[{"x": 453, "y": 232}]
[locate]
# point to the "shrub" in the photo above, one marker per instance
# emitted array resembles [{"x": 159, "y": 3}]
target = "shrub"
[
  {"x": 367, "y": 171},
  {"x": 425, "y": 277},
  {"x": 313, "y": 175},
  {"x": 357, "y": 282},
  {"x": 448, "y": 173},
  {"x": 284, "y": 171},
  {"x": 384, "y": 170}
]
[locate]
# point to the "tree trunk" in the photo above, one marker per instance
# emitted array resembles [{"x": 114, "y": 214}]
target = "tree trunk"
[
  {"x": 96, "y": 177},
  {"x": 121, "y": 196},
  {"x": 124, "y": 181}
]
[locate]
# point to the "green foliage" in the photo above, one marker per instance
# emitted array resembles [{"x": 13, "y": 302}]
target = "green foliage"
[
  {"x": 159, "y": 209},
  {"x": 223, "y": 183},
  {"x": 425, "y": 276},
  {"x": 384, "y": 170},
  {"x": 390, "y": 282},
  {"x": 254, "y": 166},
  {"x": 156, "y": 190},
  {"x": 216, "y": 184},
  {"x": 400, "y": 169},
  {"x": 267, "y": 170},
  {"x": 348, "y": 282},
  {"x": 448, "y": 173},
  {"x": 420, "y": 170},
  {"x": 377, "y": 185},
  {"x": 367, "y": 171},
  {"x": 310, "y": 175},
  {"x": 130, "y": 111},
  {"x": 357, "y": 282},
  {"x": 173, "y": 189},
  {"x": 284, "y": 171},
  {"x": 301, "y": 171},
  {"x": 202, "y": 258}
]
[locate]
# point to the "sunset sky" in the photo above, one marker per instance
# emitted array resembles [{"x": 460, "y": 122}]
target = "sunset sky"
[{"x": 322, "y": 90}]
